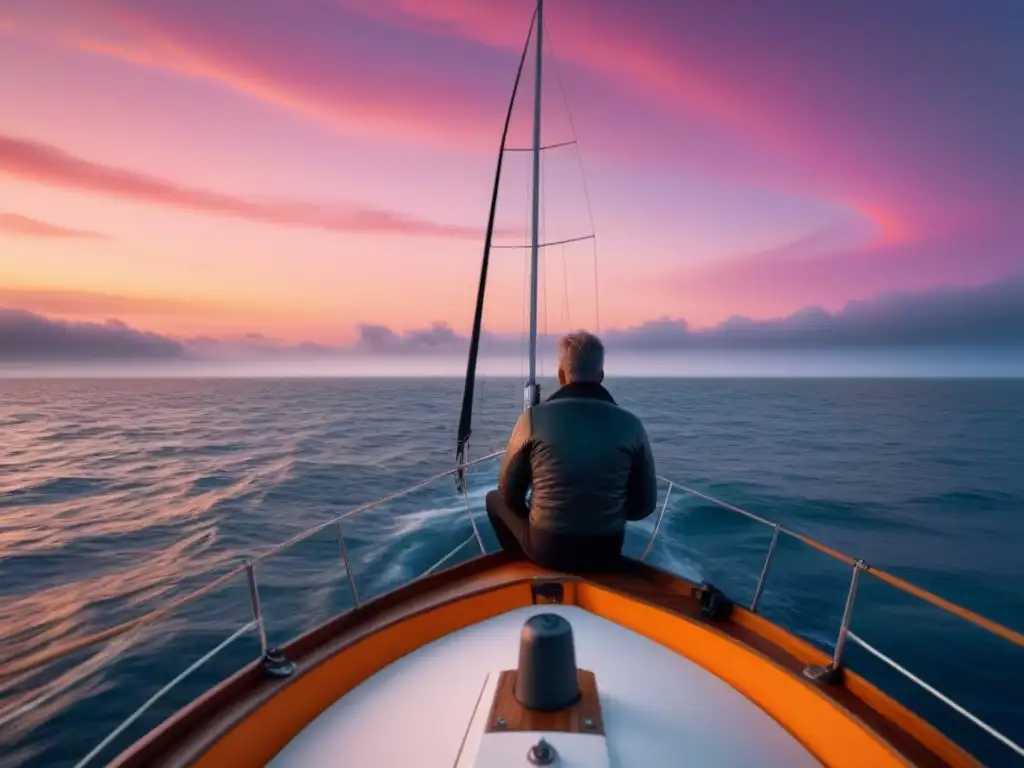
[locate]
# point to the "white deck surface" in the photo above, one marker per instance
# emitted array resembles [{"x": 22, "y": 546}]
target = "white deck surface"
[{"x": 428, "y": 709}]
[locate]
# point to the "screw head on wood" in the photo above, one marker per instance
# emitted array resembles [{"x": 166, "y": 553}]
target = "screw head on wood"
[{"x": 542, "y": 753}]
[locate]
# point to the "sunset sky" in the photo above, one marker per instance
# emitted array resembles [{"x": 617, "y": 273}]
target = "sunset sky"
[{"x": 300, "y": 168}]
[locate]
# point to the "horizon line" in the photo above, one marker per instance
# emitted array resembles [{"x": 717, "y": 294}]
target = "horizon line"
[{"x": 150, "y": 376}]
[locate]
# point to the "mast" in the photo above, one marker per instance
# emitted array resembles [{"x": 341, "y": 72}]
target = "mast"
[
  {"x": 466, "y": 414},
  {"x": 532, "y": 394}
]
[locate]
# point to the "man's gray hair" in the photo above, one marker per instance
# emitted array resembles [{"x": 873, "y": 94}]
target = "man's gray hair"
[{"x": 581, "y": 357}]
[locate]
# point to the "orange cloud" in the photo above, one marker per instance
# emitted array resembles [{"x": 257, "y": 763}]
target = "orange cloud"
[
  {"x": 46, "y": 164},
  {"x": 16, "y": 224},
  {"x": 78, "y": 303},
  {"x": 891, "y": 225}
]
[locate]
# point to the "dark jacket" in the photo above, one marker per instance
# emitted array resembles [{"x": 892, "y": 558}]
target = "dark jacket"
[{"x": 588, "y": 461}]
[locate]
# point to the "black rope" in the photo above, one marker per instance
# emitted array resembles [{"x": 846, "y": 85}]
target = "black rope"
[{"x": 466, "y": 416}]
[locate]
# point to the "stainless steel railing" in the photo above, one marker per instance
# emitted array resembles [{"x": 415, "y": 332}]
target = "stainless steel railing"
[
  {"x": 17, "y": 669},
  {"x": 858, "y": 567}
]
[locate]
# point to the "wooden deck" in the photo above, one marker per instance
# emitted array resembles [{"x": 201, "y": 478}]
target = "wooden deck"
[{"x": 507, "y": 714}]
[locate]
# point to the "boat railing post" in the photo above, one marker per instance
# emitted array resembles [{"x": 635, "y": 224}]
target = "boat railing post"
[
  {"x": 274, "y": 661},
  {"x": 844, "y": 625},
  {"x": 257, "y": 610},
  {"x": 657, "y": 524},
  {"x": 348, "y": 565},
  {"x": 833, "y": 671},
  {"x": 764, "y": 571}
]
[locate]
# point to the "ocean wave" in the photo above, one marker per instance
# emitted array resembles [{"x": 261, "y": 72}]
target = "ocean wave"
[{"x": 116, "y": 497}]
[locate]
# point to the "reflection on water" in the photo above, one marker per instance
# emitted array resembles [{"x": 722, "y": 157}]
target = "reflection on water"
[{"x": 117, "y": 497}]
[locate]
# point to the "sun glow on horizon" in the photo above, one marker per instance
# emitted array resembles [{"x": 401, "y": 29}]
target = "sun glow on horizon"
[{"x": 259, "y": 186}]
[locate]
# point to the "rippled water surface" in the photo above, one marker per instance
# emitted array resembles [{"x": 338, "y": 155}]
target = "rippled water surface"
[{"x": 118, "y": 496}]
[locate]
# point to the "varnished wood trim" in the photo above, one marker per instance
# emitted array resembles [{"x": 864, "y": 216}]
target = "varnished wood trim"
[
  {"x": 922, "y": 744},
  {"x": 198, "y": 731},
  {"x": 263, "y": 733},
  {"x": 977, "y": 620},
  {"x": 184, "y": 737},
  {"x": 507, "y": 714},
  {"x": 829, "y": 732},
  {"x": 884, "y": 714}
]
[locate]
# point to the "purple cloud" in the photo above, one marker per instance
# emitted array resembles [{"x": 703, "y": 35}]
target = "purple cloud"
[
  {"x": 27, "y": 337},
  {"x": 989, "y": 316},
  {"x": 379, "y": 339}
]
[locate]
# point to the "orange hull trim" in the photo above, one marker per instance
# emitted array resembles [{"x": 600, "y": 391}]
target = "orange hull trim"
[{"x": 831, "y": 733}]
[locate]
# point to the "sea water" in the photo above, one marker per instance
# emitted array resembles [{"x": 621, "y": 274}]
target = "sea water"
[{"x": 117, "y": 496}]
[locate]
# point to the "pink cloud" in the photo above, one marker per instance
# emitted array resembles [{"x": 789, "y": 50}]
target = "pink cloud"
[
  {"x": 906, "y": 120},
  {"x": 915, "y": 131},
  {"x": 46, "y": 164},
  {"x": 865, "y": 126},
  {"x": 276, "y": 57},
  {"x": 322, "y": 67},
  {"x": 847, "y": 130},
  {"x": 16, "y": 224},
  {"x": 770, "y": 283},
  {"x": 334, "y": 82},
  {"x": 612, "y": 41}
]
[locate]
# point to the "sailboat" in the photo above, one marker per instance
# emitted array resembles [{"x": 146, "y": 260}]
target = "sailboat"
[{"x": 496, "y": 662}]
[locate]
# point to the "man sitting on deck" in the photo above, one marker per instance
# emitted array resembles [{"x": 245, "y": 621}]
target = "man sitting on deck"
[{"x": 589, "y": 465}]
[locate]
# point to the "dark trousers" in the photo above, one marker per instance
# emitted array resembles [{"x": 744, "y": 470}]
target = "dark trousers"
[{"x": 559, "y": 552}]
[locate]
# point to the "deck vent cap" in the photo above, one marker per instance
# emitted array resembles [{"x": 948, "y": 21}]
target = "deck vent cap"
[{"x": 546, "y": 679}]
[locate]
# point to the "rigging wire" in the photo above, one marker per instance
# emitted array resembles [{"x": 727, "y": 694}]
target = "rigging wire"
[
  {"x": 542, "y": 256},
  {"x": 565, "y": 290},
  {"x": 525, "y": 299},
  {"x": 583, "y": 175}
]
